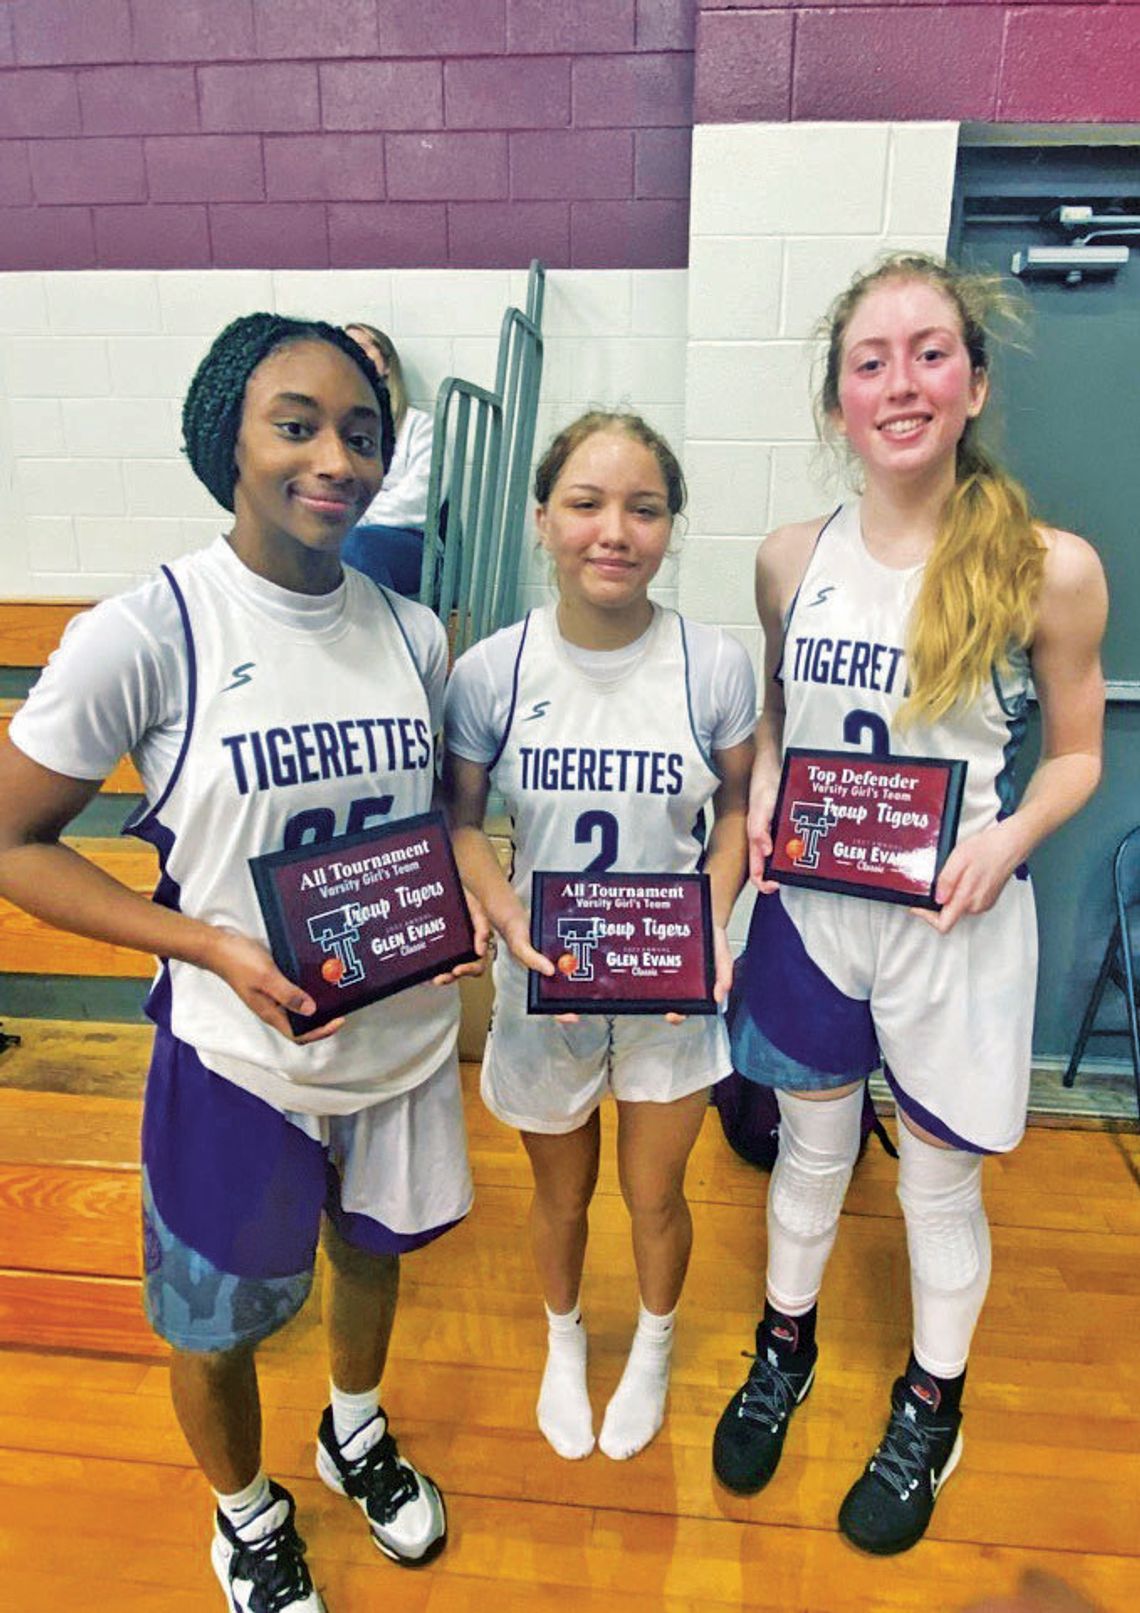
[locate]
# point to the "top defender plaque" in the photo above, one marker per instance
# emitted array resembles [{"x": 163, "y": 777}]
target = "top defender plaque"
[
  {"x": 873, "y": 826},
  {"x": 361, "y": 916}
]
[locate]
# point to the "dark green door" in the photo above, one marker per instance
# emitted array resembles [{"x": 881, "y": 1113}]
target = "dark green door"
[{"x": 1069, "y": 406}]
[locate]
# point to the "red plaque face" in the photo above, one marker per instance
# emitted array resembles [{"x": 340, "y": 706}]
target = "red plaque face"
[
  {"x": 622, "y": 944},
  {"x": 362, "y": 916},
  {"x": 874, "y": 826}
]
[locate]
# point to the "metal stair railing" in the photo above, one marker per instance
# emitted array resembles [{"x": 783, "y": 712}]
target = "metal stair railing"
[{"x": 477, "y": 489}]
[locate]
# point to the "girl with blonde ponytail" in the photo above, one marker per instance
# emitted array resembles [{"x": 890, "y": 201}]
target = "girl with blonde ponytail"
[{"x": 912, "y": 621}]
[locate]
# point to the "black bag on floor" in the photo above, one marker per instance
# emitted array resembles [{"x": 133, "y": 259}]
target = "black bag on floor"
[{"x": 750, "y": 1115}]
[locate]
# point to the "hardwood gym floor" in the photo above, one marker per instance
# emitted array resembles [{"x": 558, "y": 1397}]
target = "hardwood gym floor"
[{"x": 100, "y": 1507}]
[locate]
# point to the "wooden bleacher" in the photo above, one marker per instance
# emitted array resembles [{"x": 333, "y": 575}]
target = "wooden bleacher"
[{"x": 69, "y": 1261}]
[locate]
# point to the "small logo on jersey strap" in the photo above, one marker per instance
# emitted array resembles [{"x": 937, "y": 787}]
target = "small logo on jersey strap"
[
  {"x": 240, "y": 675},
  {"x": 539, "y": 709},
  {"x": 828, "y": 588}
]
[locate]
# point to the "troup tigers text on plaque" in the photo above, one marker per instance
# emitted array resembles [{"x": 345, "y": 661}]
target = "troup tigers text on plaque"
[
  {"x": 622, "y": 944},
  {"x": 876, "y": 826},
  {"x": 361, "y": 916}
]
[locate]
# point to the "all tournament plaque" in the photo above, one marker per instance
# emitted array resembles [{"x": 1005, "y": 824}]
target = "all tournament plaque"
[
  {"x": 622, "y": 944},
  {"x": 361, "y": 916},
  {"x": 874, "y": 826}
]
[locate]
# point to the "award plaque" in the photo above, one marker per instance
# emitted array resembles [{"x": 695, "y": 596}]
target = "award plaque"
[
  {"x": 361, "y": 916},
  {"x": 876, "y": 826},
  {"x": 622, "y": 944}
]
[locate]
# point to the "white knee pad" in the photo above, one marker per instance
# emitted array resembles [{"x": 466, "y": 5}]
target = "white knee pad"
[
  {"x": 948, "y": 1238},
  {"x": 819, "y": 1144}
]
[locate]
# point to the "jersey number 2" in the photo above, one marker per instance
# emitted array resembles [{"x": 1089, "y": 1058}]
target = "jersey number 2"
[
  {"x": 605, "y": 825},
  {"x": 860, "y": 722}
]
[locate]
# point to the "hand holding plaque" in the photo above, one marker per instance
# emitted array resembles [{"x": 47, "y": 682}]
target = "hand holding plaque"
[
  {"x": 873, "y": 826},
  {"x": 362, "y": 916},
  {"x": 622, "y": 944}
]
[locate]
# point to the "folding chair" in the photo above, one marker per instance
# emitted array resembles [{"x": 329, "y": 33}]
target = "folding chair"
[{"x": 1121, "y": 962}]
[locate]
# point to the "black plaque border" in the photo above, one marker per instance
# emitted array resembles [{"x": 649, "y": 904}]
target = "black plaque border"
[
  {"x": 955, "y": 771},
  {"x": 621, "y": 1005},
  {"x": 281, "y": 946}
]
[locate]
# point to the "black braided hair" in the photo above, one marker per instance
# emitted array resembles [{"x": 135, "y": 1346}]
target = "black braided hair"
[{"x": 211, "y": 414}]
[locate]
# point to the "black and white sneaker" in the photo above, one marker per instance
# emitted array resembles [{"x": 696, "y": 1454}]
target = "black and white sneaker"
[
  {"x": 888, "y": 1509},
  {"x": 405, "y": 1510},
  {"x": 749, "y": 1438},
  {"x": 263, "y": 1570}
]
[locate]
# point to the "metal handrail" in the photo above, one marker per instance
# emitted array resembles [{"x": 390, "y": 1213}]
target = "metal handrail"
[{"x": 477, "y": 489}]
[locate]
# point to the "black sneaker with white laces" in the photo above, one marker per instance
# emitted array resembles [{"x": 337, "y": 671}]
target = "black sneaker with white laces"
[
  {"x": 888, "y": 1509},
  {"x": 263, "y": 1570},
  {"x": 404, "y": 1508},
  {"x": 749, "y": 1438}
]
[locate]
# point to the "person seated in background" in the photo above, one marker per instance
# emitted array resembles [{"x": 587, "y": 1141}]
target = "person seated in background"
[{"x": 388, "y": 544}]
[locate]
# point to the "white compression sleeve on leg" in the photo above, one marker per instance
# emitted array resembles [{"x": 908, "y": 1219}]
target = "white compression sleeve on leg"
[
  {"x": 948, "y": 1236},
  {"x": 819, "y": 1144}
]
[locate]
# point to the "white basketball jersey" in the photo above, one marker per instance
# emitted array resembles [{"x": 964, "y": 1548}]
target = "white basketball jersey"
[
  {"x": 292, "y": 736},
  {"x": 844, "y": 674},
  {"x": 602, "y": 775}
]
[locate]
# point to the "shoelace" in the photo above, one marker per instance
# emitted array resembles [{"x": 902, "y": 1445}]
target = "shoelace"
[
  {"x": 276, "y": 1568},
  {"x": 902, "y": 1461},
  {"x": 769, "y": 1394},
  {"x": 385, "y": 1483}
]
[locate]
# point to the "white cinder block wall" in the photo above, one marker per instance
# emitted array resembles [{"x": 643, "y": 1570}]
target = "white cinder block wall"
[
  {"x": 93, "y": 365},
  {"x": 781, "y": 217}
]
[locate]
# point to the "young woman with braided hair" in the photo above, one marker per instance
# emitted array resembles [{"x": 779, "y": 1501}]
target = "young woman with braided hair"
[
  {"x": 911, "y": 620},
  {"x": 259, "y": 687}
]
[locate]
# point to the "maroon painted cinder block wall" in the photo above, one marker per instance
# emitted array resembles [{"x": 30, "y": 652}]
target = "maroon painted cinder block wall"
[
  {"x": 381, "y": 133},
  {"x": 370, "y": 133},
  {"x": 984, "y": 60}
]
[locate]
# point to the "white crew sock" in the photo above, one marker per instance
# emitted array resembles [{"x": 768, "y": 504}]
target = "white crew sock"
[
  {"x": 244, "y": 1505},
  {"x": 564, "y": 1414},
  {"x": 351, "y": 1413},
  {"x": 637, "y": 1408}
]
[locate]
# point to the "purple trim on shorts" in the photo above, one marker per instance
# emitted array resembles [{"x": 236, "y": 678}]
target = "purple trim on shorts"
[
  {"x": 931, "y": 1123},
  {"x": 372, "y": 1236},
  {"x": 794, "y": 1004},
  {"x": 231, "y": 1177}
]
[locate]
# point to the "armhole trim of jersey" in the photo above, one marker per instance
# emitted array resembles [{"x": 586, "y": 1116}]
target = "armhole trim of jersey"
[
  {"x": 779, "y": 672},
  {"x": 1011, "y": 706},
  {"x": 149, "y": 813},
  {"x": 419, "y": 671},
  {"x": 514, "y": 694},
  {"x": 705, "y": 755}
]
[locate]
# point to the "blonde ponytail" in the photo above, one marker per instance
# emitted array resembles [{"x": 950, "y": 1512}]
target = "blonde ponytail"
[{"x": 978, "y": 597}]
